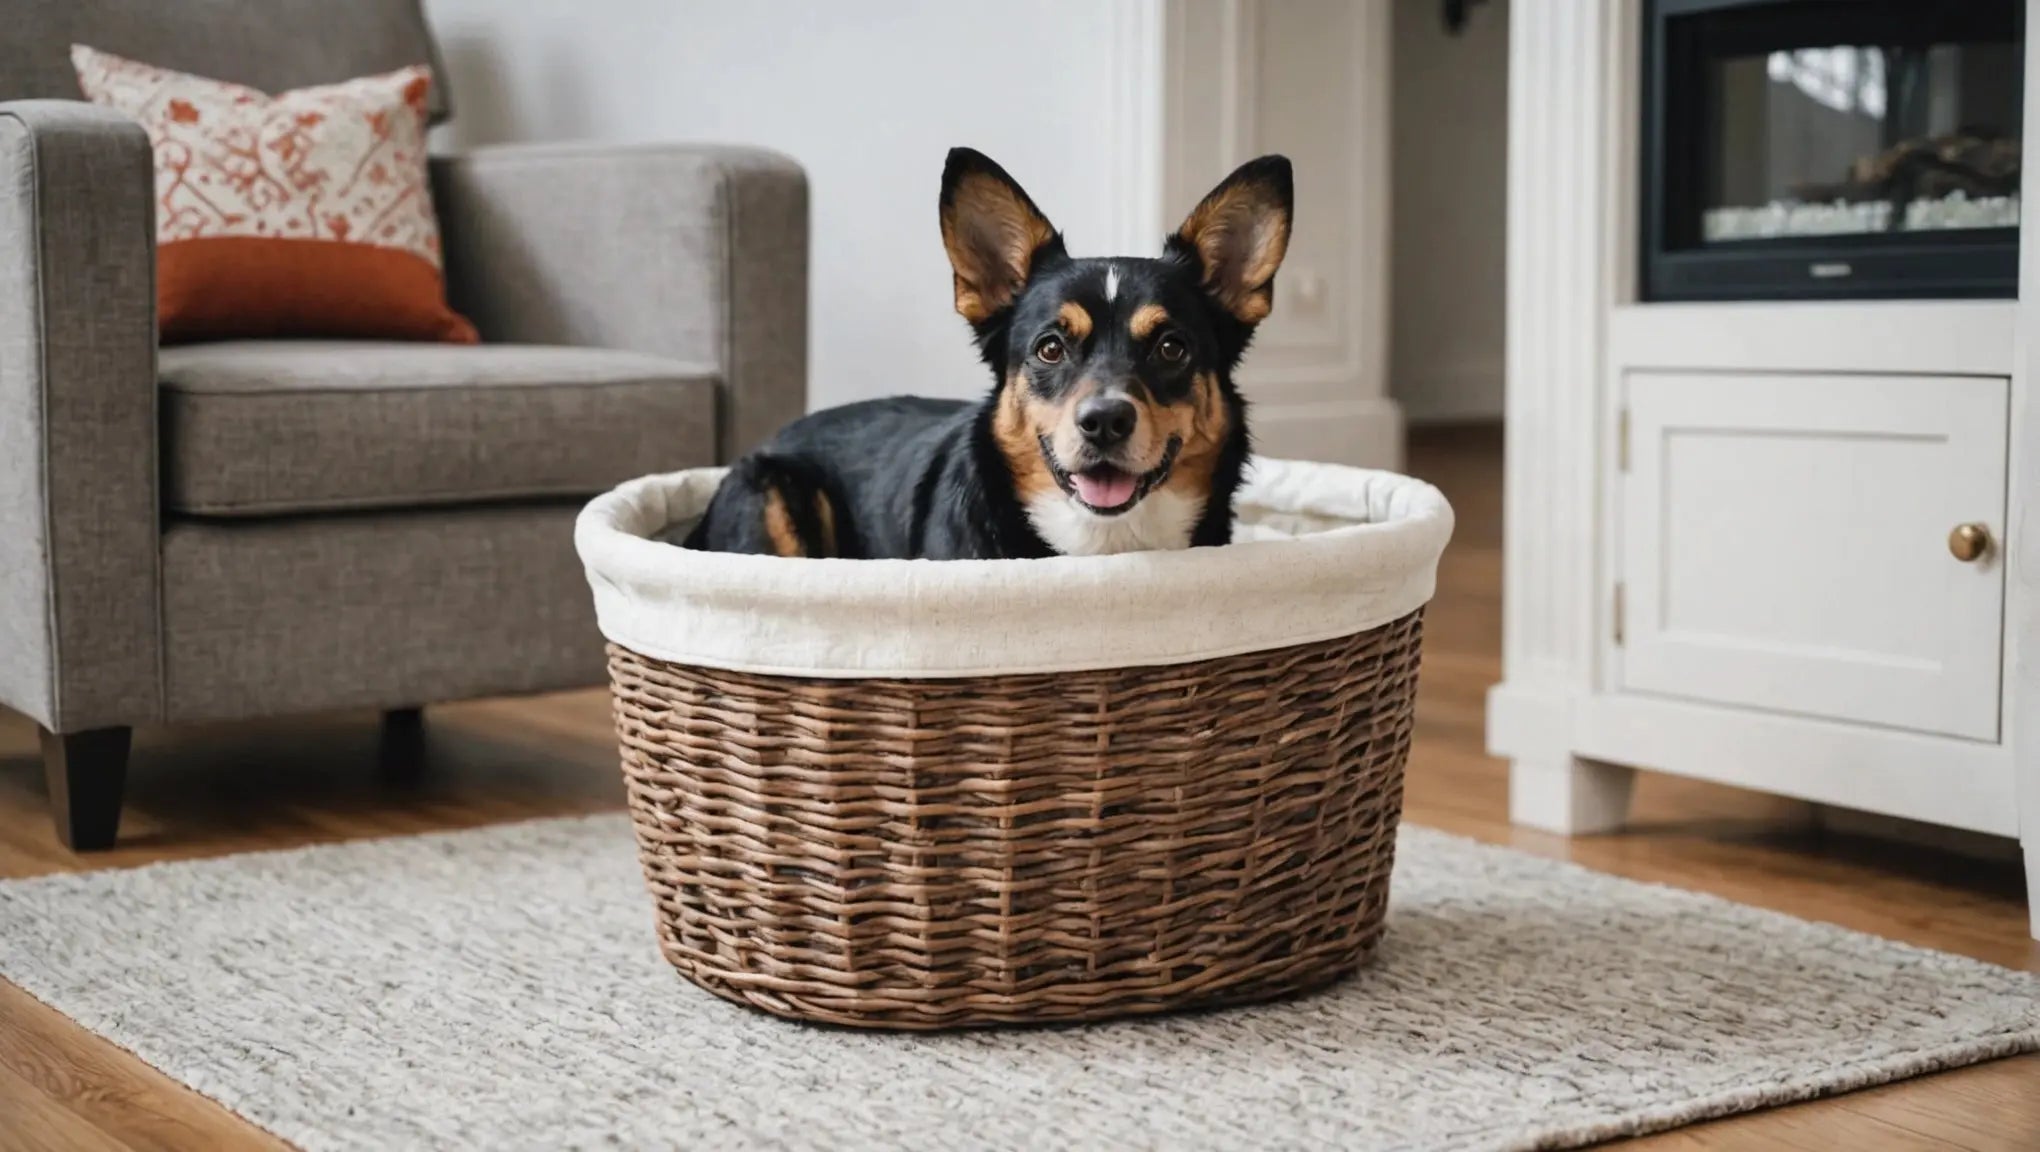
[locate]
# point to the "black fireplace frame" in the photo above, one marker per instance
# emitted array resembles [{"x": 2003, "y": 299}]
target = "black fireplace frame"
[{"x": 1952, "y": 264}]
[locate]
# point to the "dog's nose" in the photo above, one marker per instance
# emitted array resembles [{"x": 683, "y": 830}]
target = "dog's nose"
[{"x": 1106, "y": 420}]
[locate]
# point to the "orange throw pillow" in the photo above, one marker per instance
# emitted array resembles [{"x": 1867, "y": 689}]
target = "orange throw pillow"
[{"x": 304, "y": 214}]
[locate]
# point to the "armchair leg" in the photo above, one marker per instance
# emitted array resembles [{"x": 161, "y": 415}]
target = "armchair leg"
[
  {"x": 402, "y": 751},
  {"x": 87, "y": 772}
]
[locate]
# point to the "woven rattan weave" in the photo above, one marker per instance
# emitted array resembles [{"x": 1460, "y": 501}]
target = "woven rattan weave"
[{"x": 1021, "y": 849}]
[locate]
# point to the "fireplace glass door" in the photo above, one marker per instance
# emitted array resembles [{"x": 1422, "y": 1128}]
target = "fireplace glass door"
[{"x": 1831, "y": 148}]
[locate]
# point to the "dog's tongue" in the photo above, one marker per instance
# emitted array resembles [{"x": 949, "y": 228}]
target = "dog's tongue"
[{"x": 1104, "y": 487}]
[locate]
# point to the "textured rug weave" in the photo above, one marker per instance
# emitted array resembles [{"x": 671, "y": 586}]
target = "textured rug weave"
[{"x": 501, "y": 989}]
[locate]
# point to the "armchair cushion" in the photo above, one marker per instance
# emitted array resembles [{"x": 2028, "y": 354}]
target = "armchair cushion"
[
  {"x": 306, "y": 213},
  {"x": 253, "y": 428}
]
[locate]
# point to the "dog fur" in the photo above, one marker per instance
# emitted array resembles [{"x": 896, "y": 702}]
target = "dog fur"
[{"x": 1112, "y": 423}]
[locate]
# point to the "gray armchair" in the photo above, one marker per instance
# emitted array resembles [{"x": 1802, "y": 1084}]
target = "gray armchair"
[{"x": 227, "y": 530}]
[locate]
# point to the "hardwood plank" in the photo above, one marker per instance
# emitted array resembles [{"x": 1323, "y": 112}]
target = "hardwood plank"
[
  {"x": 279, "y": 784},
  {"x": 101, "y": 1085},
  {"x": 1807, "y": 1128},
  {"x": 31, "y": 1121},
  {"x": 1995, "y": 1108}
]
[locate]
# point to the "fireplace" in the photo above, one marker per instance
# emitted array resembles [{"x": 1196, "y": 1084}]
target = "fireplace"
[{"x": 1824, "y": 149}]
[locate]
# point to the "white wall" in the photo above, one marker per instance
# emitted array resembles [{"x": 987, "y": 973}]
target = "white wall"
[
  {"x": 868, "y": 96},
  {"x": 1449, "y": 157},
  {"x": 1115, "y": 115},
  {"x": 1309, "y": 79}
]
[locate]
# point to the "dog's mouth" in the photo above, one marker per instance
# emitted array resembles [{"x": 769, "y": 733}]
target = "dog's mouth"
[{"x": 1108, "y": 489}]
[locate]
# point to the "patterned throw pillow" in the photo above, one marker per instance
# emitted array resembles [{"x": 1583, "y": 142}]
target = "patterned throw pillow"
[{"x": 304, "y": 214}]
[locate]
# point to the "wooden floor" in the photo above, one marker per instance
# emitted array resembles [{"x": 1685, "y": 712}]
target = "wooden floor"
[{"x": 232, "y": 789}]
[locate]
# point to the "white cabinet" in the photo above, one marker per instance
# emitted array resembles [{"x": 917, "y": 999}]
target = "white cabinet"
[
  {"x": 1784, "y": 544},
  {"x": 1759, "y": 590}
]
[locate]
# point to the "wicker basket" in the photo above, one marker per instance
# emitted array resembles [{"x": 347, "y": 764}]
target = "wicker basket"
[{"x": 940, "y": 850}]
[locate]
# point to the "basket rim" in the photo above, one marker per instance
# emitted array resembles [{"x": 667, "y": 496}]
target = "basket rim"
[{"x": 1366, "y": 554}]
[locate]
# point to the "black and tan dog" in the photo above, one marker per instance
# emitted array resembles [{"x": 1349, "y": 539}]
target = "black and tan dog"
[{"x": 1112, "y": 424}]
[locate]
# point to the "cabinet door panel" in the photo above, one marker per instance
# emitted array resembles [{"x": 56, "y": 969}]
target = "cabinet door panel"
[{"x": 1785, "y": 545}]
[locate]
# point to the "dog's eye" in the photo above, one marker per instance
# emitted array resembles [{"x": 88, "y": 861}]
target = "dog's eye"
[
  {"x": 1049, "y": 350},
  {"x": 1172, "y": 350}
]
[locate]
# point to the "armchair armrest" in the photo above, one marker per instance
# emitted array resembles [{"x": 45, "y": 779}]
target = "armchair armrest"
[
  {"x": 78, "y": 478},
  {"x": 691, "y": 252}
]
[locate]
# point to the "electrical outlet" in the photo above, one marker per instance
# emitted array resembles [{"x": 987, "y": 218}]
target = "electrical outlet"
[{"x": 1306, "y": 291}]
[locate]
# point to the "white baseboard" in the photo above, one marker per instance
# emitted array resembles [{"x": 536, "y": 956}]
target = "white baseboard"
[
  {"x": 1362, "y": 433},
  {"x": 1862, "y": 767},
  {"x": 1451, "y": 393},
  {"x": 1531, "y": 722},
  {"x": 1874, "y": 772}
]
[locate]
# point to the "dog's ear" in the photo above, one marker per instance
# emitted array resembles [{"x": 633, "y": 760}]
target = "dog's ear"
[
  {"x": 994, "y": 233},
  {"x": 1239, "y": 234}
]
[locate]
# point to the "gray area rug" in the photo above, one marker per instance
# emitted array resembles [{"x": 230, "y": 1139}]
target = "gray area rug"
[{"x": 501, "y": 989}]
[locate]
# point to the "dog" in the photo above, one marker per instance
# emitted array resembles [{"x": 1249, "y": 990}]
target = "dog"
[{"x": 1112, "y": 424}]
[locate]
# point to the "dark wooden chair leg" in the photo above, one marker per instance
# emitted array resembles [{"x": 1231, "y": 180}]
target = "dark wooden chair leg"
[
  {"x": 402, "y": 754},
  {"x": 87, "y": 772}
]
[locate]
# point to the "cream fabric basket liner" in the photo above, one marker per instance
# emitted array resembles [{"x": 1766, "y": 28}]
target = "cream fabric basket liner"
[{"x": 1321, "y": 551}]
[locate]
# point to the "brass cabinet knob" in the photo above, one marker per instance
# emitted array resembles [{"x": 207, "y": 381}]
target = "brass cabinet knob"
[{"x": 1968, "y": 542}]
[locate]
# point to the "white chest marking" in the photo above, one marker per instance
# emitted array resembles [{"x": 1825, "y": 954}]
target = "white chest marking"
[
  {"x": 1111, "y": 284},
  {"x": 1162, "y": 521}
]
